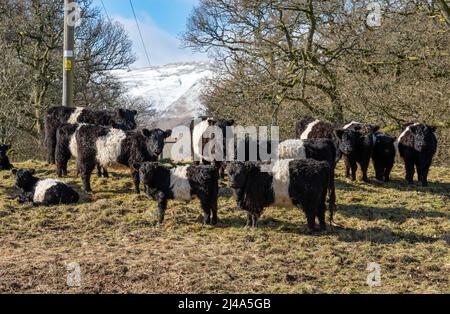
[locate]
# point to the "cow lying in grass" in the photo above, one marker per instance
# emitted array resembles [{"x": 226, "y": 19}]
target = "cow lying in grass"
[
  {"x": 93, "y": 145},
  {"x": 181, "y": 183},
  {"x": 56, "y": 116},
  {"x": 292, "y": 183},
  {"x": 43, "y": 192},
  {"x": 4, "y": 160},
  {"x": 417, "y": 146}
]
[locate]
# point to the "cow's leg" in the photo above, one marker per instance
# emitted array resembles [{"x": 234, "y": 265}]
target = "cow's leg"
[
  {"x": 99, "y": 170},
  {"x": 105, "y": 172},
  {"x": 214, "y": 211},
  {"x": 377, "y": 165},
  {"x": 162, "y": 205},
  {"x": 424, "y": 173},
  {"x": 249, "y": 220},
  {"x": 347, "y": 167},
  {"x": 387, "y": 173},
  {"x": 50, "y": 142},
  {"x": 136, "y": 181},
  {"x": 364, "y": 168},
  {"x": 206, "y": 207},
  {"x": 311, "y": 218},
  {"x": 354, "y": 168},
  {"x": 321, "y": 216},
  {"x": 409, "y": 167},
  {"x": 255, "y": 221},
  {"x": 85, "y": 168},
  {"x": 87, "y": 181}
]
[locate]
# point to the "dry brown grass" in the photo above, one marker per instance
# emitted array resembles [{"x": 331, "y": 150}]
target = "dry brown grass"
[{"x": 113, "y": 235}]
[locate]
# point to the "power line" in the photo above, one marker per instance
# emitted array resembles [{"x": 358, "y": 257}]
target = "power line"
[
  {"x": 143, "y": 44},
  {"x": 145, "y": 49},
  {"x": 140, "y": 33}
]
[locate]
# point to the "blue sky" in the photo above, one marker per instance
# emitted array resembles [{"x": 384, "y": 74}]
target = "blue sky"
[{"x": 161, "y": 22}]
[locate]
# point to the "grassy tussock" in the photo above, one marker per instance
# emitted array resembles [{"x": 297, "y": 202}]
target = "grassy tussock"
[{"x": 113, "y": 235}]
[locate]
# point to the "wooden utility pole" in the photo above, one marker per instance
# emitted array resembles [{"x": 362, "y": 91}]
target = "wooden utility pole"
[{"x": 69, "y": 43}]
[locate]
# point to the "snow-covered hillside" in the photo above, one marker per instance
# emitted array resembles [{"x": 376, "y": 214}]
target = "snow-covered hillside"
[{"x": 174, "y": 89}]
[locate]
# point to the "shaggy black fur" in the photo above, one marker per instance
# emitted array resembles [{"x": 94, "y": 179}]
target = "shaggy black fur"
[
  {"x": 222, "y": 124},
  {"x": 383, "y": 156},
  {"x": 324, "y": 150},
  {"x": 309, "y": 180},
  {"x": 135, "y": 148},
  {"x": 4, "y": 160},
  {"x": 63, "y": 154},
  {"x": 356, "y": 145},
  {"x": 203, "y": 181},
  {"x": 56, "y": 116},
  {"x": 417, "y": 148},
  {"x": 57, "y": 194}
]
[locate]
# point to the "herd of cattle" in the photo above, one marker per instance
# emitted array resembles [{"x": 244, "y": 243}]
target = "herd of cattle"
[{"x": 302, "y": 176}]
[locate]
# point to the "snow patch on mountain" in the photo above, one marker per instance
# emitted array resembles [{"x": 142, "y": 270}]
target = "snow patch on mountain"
[{"x": 173, "y": 89}]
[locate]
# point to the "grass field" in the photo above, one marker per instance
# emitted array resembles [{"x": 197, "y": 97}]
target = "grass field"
[{"x": 114, "y": 238}]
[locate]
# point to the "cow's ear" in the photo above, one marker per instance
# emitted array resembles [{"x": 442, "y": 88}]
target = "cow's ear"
[
  {"x": 14, "y": 171},
  {"x": 134, "y": 112},
  {"x": 339, "y": 133},
  {"x": 146, "y": 132},
  {"x": 230, "y": 122},
  {"x": 8, "y": 147},
  {"x": 212, "y": 122},
  {"x": 168, "y": 133},
  {"x": 32, "y": 171},
  {"x": 432, "y": 128}
]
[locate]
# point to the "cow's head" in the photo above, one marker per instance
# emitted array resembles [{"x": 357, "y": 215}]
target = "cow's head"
[
  {"x": 238, "y": 173},
  {"x": 24, "y": 178},
  {"x": 155, "y": 141},
  {"x": 348, "y": 140},
  {"x": 125, "y": 119},
  {"x": 423, "y": 136}
]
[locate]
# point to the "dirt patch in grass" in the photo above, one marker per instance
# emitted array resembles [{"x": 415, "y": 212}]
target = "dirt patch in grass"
[{"x": 113, "y": 236}]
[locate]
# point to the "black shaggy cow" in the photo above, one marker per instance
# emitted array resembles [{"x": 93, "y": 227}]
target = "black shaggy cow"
[
  {"x": 181, "y": 183},
  {"x": 106, "y": 146},
  {"x": 383, "y": 155},
  {"x": 417, "y": 146},
  {"x": 56, "y": 116},
  {"x": 43, "y": 192},
  {"x": 318, "y": 149},
  {"x": 200, "y": 137},
  {"x": 356, "y": 144},
  {"x": 299, "y": 183},
  {"x": 4, "y": 160},
  {"x": 63, "y": 152}
]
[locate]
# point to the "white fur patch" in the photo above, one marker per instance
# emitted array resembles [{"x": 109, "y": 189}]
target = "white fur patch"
[
  {"x": 109, "y": 147},
  {"x": 280, "y": 183},
  {"x": 73, "y": 147},
  {"x": 41, "y": 188},
  {"x": 292, "y": 149},
  {"x": 75, "y": 115},
  {"x": 351, "y": 124},
  {"x": 179, "y": 183},
  {"x": 408, "y": 129},
  {"x": 197, "y": 139},
  {"x": 305, "y": 134}
]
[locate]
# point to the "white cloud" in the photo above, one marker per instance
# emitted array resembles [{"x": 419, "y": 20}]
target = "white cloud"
[{"x": 162, "y": 47}]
